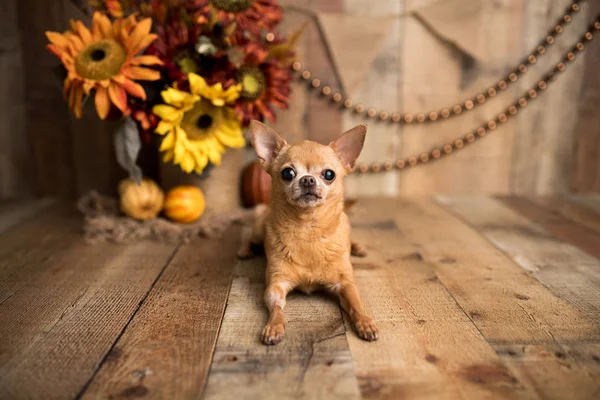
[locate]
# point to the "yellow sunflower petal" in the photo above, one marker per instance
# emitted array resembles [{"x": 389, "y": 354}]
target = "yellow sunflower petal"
[
  {"x": 167, "y": 113},
  {"x": 179, "y": 147},
  {"x": 78, "y": 100},
  {"x": 177, "y": 98},
  {"x": 168, "y": 142},
  {"x": 198, "y": 85},
  {"x": 168, "y": 157},
  {"x": 187, "y": 162},
  {"x": 201, "y": 161},
  {"x": 163, "y": 127},
  {"x": 102, "y": 102},
  {"x": 101, "y": 27},
  {"x": 214, "y": 155},
  {"x": 142, "y": 74}
]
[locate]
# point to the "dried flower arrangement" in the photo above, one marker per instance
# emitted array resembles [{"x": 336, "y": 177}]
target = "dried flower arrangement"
[{"x": 194, "y": 72}]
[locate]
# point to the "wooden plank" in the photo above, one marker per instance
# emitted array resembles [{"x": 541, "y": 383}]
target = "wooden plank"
[
  {"x": 324, "y": 123},
  {"x": 555, "y": 372},
  {"x": 569, "y": 272},
  {"x": 15, "y": 212},
  {"x": 60, "y": 325},
  {"x": 569, "y": 207},
  {"x": 567, "y": 220},
  {"x": 166, "y": 351},
  {"x": 380, "y": 89},
  {"x": 564, "y": 229},
  {"x": 25, "y": 250},
  {"x": 312, "y": 361},
  {"x": 15, "y": 167},
  {"x": 48, "y": 130},
  {"x": 438, "y": 290},
  {"x": 440, "y": 71},
  {"x": 543, "y": 147},
  {"x": 586, "y": 168},
  {"x": 587, "y": 355},
  {"x": 591, "y": 201}
]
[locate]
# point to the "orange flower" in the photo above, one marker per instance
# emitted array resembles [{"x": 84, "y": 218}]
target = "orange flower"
[{"x": 105, "y": 59}]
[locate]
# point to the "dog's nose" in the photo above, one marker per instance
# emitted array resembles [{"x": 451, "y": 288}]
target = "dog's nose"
[{"x": 308, "y": 181}]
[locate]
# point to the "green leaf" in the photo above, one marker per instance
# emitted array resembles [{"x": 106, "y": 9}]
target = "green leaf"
[{"x": 127, "y": 146}]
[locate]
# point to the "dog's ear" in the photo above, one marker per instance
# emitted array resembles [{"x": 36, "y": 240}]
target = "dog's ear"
[
  {"x": 349, "y": 145},
  {"x": 267, "y": 143}
]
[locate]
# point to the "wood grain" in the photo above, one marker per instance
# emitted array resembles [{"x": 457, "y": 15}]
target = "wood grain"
[
  {"x": 312, "y": 361},
  {"x": 25, "y": 250},
  {"x": 565, "y": 210},
  {"x": 542, "y": 150},
  {"x": 378, "y": 89},
  {"x": 48, "y": 127},
  {"x": 323, "y": 123},
  {"x": 441, "y": 71},
  {"x": 166, "y": 351},
  {"x": 590, "y": 201},
  {"x": 59, "y": 325},
  {"x": 15, "y": 169},
  {"x": 432, "y": 275},
  {"x": 569, "y": 272},
  {"x": 547, "y": 216},
  {"x": 586, "y": 168},
  {"x": 14, "y": 212}
]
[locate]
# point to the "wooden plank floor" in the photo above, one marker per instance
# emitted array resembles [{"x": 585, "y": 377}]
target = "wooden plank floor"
[{"x": 476, "y": 298}]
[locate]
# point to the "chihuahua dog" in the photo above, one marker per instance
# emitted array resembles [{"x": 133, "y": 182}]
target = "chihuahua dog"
[{"x": 305, "y": 232}]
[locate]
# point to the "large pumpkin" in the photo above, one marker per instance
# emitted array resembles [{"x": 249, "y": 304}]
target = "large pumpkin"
[
  {"x": 256, "y": 185},
  {"x": 184, "y": 204}
]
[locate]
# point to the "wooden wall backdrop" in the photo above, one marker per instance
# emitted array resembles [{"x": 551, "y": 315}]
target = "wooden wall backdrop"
[{"x": 397, "y": 55}]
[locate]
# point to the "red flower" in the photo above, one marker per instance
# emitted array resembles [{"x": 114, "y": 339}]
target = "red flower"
[{"x": 265, "y": 84}]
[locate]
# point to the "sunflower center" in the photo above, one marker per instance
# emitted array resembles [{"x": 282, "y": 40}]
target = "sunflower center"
[
  {"x": 101, "y": 60},
  {"x": 253, "y": 82},
  {"x": 98, "y": 55},
  {"x": 233, "y": 6},
  {"x": 204, "y": 122}
]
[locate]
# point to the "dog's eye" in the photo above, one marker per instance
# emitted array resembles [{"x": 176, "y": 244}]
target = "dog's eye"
[
  {"x": 288, "y": 174},
  {"x": 328, "y": 175}
]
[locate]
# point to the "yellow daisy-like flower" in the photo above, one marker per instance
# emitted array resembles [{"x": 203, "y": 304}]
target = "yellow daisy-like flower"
[
  {"x": 105, "y": 59},
  {"x": 198, "y": 125}
]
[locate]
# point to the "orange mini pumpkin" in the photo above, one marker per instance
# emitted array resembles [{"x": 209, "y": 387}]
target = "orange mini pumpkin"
[{"x": 184, "y": 204}]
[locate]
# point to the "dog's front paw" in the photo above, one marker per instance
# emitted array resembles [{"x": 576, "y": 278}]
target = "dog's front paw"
[
  {"x": 358, "y": 250},
  {"x": 273, "y": 333},
  {"x": 366, "y": 328},
  {"x": 245, "y": 253}
]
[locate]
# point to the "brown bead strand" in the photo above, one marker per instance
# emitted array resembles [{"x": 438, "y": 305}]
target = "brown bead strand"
[
  {"x": 501, "y": 118},
  {"x": 467, "y": 105}
]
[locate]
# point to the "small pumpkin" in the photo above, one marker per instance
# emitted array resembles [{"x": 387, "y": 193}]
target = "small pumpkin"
[
  {"x": 184, "y": 204},
  {"x": 141, "y": 201},
  {"x": 256, "y": 185}
]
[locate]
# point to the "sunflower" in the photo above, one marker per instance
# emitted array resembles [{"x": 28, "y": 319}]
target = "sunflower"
[
  {"x": 105, "y": 59},
  {"x": 253, "y": 16},
  {"x": 265, "y": 84},
  {"x": 199, "y": 125}
]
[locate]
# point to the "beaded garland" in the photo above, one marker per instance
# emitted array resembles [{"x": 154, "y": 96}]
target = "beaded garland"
[{"x": 347, "y": 103}]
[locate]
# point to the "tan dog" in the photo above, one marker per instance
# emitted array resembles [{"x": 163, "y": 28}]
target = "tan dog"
[{"x": 306, "y": 233}]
